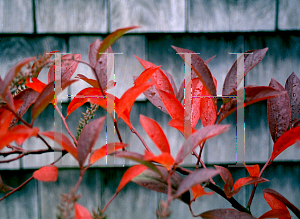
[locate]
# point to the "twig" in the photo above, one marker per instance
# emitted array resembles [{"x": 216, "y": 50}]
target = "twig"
[
  {"x": 66, "y": 125},
  {"x": 133, "y": 130},
  {"x": 110, "y": 200}
]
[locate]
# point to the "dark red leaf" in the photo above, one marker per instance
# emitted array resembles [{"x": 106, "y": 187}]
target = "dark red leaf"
[
  {"x": 225, "y": 175},
  {"x": 225, "y": 213},
  {"x": 200, "y": 70},
  {"x": 279, "y": 112},
  {"x": 81, "y": 212},
  {"x": 128, "y": 98},
  {"x": 153, "y": 181},
  {"x": 46, "y": 173},
  {"x": 63, "y": 140},
  {"x": 276, "y": 213},
  {"x": 129, "y": 175},
  {"x": 250, "y": 60},
  {"x": 111, "y": 38},
  {"x": 106, "y": 150},
  {"x": 45, "y": 97},
  {"x": 68, "y": 67},
  {"x": 196, "y": 138},
  {"x": 253, "y": 94},
  {"x": 28, "y": 97},
  {"x": 155, "y": 132},
  {"x": 286, "y": 140},
  {"x": 282, "y": 199},
  {"x": 292, "y": 86},
  {"x": 196, "y": 177},
  {"x": 7, "y": 96},
  {"x": 11, "y": 75},
  {"x": 88, "y": 138},
  {"x": 100, "y": 64}
]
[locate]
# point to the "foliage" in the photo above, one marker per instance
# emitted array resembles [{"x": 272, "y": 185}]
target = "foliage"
[{"x": 158, "y": 172}]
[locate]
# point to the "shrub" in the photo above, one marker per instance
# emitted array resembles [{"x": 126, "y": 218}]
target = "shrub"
[{"x": 195, "y": 100}]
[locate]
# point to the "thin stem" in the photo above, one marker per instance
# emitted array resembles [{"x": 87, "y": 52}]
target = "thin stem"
[
  {"x": 16, "y": 189},
  {"x": 13, "y": 159},
  {"x": 66, "y": 125},
  {"x": 133, "y": 130},
  {"x": 118, "y": 132},
  {"x": 45, "y": 142},
  {"x": 200, "y": 153},
  {"x": 110, "y": 200},
  {"x": 255, "y": 185}
]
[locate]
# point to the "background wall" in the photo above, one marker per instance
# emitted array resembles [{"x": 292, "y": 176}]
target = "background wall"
[{"x": 216, "y": 27}]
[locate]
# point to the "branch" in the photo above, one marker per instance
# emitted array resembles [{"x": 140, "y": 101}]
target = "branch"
[{"x": 142, "y": 140}]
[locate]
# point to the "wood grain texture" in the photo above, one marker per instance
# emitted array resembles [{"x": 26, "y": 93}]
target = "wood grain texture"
[
  {"x": 152, "y": 16},
  {"x": 231, "y": 16},
  {"x": 16, "y": 16},
  {"x": 288, "y": 15},
  {"x": 23, "y": 203},
  {"x": 71, "y": 16}
]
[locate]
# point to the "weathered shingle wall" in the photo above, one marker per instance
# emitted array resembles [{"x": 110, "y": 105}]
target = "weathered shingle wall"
[{"x": 215, "y": 27}]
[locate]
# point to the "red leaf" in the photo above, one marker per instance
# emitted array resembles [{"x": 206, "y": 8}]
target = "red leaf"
[
  {"x": 172, "y": 82},
  {"x": 91, "y": 82},
  {"x": 39, "y": 62},
  {"x": 128, "y": 98},
  {"x": 225, "y": 213},
  {"x": 28, "y": 97},
  {"x": 100, "y": 64},
  {"x": 226, "y": 176},
  {"x": 286, "y": 140},
  {"x": 106, "y": 150},
  {"x": 36, "y": 85},
  {"x": 111, "y": 38},
  {"x": 245, "y": 181},
  {"x": 164, "y": 159},
  {"x": 11, "y": 75},
  {"x": 253, "y": 94},
  {"x": 276, "y": 213},
  {"x": 250, "y": 60},
  {"x": 129, "y": 175},
  {"x": 179, "y": 125},
  {"x": 46, "y": 173},
  {"x": 172, "y": 105},
  {"x": 275, "y": 204},
  {"x": 208, "y": 107},
  {"x": 208, "y": 60},
  {"x": 154, "y": 181},
  {"x": 155, "y": 132},
  {"x": 253, "y": 170},
  {"x": 200, "y": 69},
  {"x": 279, "y": 112},
  {"x": 198, "y": 191},
  {"x": 160, "y": 80},
  {"x": 292, "y": 86},
  {"x": 88, "y": 138},
  {"x": 145, "y": 75},
  {"x": 18, "y": 134},
  {"x": 45, "y": 97},
  {"x": 196, "y": 138},
  {"x": 68, "y": 67},
  {"x": 286, "y": 202},
  {"x": 196, "y": 177},
  {"x": 81, "y": 212},
  {"x": 63, "y": 140},
  {"x": 7, "y": 117}
]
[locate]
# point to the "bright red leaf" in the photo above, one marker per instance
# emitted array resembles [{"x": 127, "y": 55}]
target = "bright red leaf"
[
  {"x": 155, "y": 132},
  {"x": 46, "y": 173},
  {"x": 81, "y": 212},
  {"x": 106, "y": 150},
  {"x": 91, "y": 82},
  {"x": 63, "y": 140},
  {"x": 253, "y": 170},
  {"x": 145, "y": 75},
  {"x": 245, "y": 181},
  {"x": 198, "y": 191},
  {"x": 164, "y": 159},
  {"x": 276, "y": 213},
  {"x": 36, "y": 85}
]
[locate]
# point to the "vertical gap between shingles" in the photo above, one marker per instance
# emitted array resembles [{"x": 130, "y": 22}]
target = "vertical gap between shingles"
[{"x": 34, "y": 17}]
